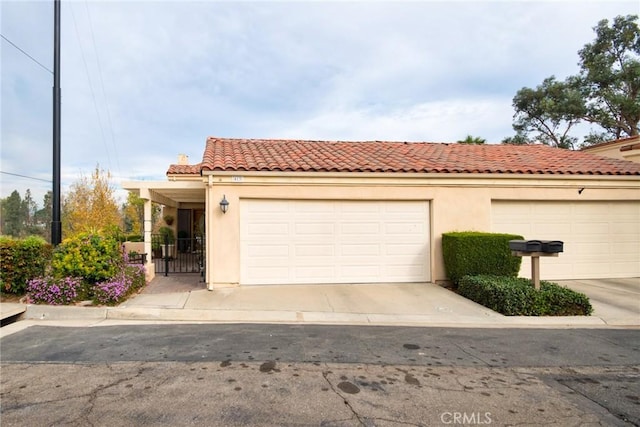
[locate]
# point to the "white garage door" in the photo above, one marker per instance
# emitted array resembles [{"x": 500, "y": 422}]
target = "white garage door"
[
  {"x": 601, "y": 239},
  {"x": 299, "y": 241}
]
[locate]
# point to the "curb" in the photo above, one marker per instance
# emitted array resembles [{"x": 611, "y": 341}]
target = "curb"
[
  {"x": 143, "y": 314},
  {"x": 53, "y": 312}
]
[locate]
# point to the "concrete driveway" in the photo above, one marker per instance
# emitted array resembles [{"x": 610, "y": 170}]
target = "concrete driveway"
[{"x": 616, "y": 301}]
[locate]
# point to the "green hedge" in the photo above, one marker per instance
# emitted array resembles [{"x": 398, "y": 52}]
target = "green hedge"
[
  {"x": 20, "y": 261},
  {"x": 472, "y": 253},
  {"x": 514, "y": 296}
]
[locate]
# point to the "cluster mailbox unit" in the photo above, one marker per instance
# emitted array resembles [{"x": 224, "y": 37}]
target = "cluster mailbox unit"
[{"x": 536, "y": 249}]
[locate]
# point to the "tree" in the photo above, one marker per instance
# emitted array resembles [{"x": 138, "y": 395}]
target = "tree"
[
  {"x": 610, "y": 75},
  {"x": 29, "y": 208},
  {"x": 12, "y": 215},
  {"x": 606, "y": 93},
  {"x": 43, "y": 216},
  {"x": 90, "y": 205},
  {"x": 472, "y": 140},
  {"x": 549, "y": 111},
  {"x": 133, "y": 214},
  {"x": 518, "y": 139}
]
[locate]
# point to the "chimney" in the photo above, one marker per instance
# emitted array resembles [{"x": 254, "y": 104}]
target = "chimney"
[{"x": 183, "y": 159}]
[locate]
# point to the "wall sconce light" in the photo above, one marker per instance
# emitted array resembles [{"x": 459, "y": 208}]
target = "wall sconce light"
[
  {"x": 224, "y": 204},
  {"x": 581, "y": 190}
]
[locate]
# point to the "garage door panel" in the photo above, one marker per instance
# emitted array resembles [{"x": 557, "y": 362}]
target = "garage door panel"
[
  {"x": 314, "y": 229},
  {"x": 268, "y": 250},
  {"x": 401, "y": 228},
  {"x": 592, "y": 228},
  {"x": 625, "y": 250},
  {"x": 319, "y": 273},
  {"x": 359, "y": 250},
  {"x": 601, "y": 239},
  {"x": 337, "y": 241},
  {"x": 305, "y": 208},
  {"x": 548, "y": 229},
  {"x": 270, "y": 229},
  {"x": 269, "y": 272},
  {"x": 626, "y": 229},
  {"x": 360, "y": 228},
  {"x": 629, "y": 268},
  {"x": 559, "y": 210},
  {"x": 407, "y": 249},
  {"x": 358, "y": 271},
  {"x": 315, "y": 250}
]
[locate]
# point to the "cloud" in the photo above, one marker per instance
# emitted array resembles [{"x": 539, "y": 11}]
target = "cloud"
[
  {"x": 144, "y": 81},
  {"x": 438, "y": 121}
]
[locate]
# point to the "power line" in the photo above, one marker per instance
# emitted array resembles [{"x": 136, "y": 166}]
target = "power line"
[
  {"x": 25, "y": 176},
  {"x": 93, "y": 95},
  {"x": 25, "y": 53},
  {"x": 104, "y": 94}
]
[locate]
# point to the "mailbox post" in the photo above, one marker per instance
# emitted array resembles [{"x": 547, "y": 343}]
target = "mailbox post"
[{"x": 536, "y": 249}]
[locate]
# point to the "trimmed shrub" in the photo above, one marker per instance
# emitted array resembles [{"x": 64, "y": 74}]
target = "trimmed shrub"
[
  {"x": 473, "y": 253},
  {"x": 91, "y": 256},
  {"x": 52, "y": 291},
  {"x": 20, "y": 261},
  {"x": 514, "y": 296}
]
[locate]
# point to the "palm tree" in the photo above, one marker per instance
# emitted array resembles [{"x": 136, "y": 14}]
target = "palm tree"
[{"x": 472, "y": 140}]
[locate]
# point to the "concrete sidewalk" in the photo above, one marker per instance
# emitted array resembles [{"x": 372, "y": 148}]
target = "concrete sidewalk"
[{"x": 185, "y": 299}]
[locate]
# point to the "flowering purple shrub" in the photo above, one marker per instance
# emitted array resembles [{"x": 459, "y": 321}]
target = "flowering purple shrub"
[
  {"x": 116, "y": 289},
  {"x": 52, "y": 291}
]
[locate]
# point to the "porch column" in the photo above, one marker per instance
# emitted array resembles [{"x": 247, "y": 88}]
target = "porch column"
[
  {"x": 208, "y": 227},
  {"x": 147, "y": 227}
]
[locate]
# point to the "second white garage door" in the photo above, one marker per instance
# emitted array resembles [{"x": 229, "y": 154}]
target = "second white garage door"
[
  {"x": 601, "y": 239},
  {"x": 303, "y": 241}
]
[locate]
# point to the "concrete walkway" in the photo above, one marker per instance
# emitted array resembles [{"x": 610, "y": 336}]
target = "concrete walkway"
[{"x": 183, "y": 298}]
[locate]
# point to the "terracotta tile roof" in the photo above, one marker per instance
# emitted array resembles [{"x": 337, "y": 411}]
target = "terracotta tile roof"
[
  {"x": 226, "y": 154},
  {"x": 185, "y": 169}
]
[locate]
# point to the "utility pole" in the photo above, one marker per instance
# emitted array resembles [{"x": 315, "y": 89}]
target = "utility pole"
[{"x": 56, "y": 225}]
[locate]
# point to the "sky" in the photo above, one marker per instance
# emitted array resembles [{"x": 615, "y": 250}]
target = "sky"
[{"x": 144, "y": 81}]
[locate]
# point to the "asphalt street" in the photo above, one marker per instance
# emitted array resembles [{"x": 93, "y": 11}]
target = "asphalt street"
[{"x": 258, "y": 374}]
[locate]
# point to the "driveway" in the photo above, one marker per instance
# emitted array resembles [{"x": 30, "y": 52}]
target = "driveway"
[{"x": 616, "y": 301}]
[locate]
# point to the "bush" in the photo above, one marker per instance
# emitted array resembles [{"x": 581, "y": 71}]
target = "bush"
[
  {"x": 475, "y": 253},
  {"x": 514, "y": 296},
  {"x": 91, "y": 256},
  {"x": 20, "y": 261},
  {"x": 115, "y": 290},
  {"x": 52, "y": 291},
  {"x": 166, "y": 234}
]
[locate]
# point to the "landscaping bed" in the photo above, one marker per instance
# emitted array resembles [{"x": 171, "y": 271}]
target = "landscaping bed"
[{"x": 516, "y": 296}]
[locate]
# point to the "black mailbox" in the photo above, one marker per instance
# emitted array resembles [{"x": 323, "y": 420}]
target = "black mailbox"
[
  {"x": 552, "y": 246},
  {"x": 545, "y": 246},
  {"x": 525, "y": 245}
]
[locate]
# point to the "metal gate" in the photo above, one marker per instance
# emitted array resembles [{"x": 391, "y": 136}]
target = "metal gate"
[{"x": 181, "y": 255}]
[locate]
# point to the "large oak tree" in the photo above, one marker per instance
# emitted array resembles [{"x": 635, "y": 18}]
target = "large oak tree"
[{"x": 605, "y": 93}]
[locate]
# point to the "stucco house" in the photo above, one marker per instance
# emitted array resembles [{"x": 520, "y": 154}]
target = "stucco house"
[
  {"x": 623, "y": 148},
  {"x": 317, "y": 212}
]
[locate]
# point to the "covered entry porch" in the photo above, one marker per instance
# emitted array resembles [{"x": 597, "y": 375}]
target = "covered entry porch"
[{"x": 182, "y": 246}]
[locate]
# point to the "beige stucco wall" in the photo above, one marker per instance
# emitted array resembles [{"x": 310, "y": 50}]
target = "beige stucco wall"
[
  {"x": 613, "y": 150},
  {"x": 462, "y": 202}
]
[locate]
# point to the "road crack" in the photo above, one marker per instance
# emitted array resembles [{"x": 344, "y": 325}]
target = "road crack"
[{"x": 325, "y": 375}]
